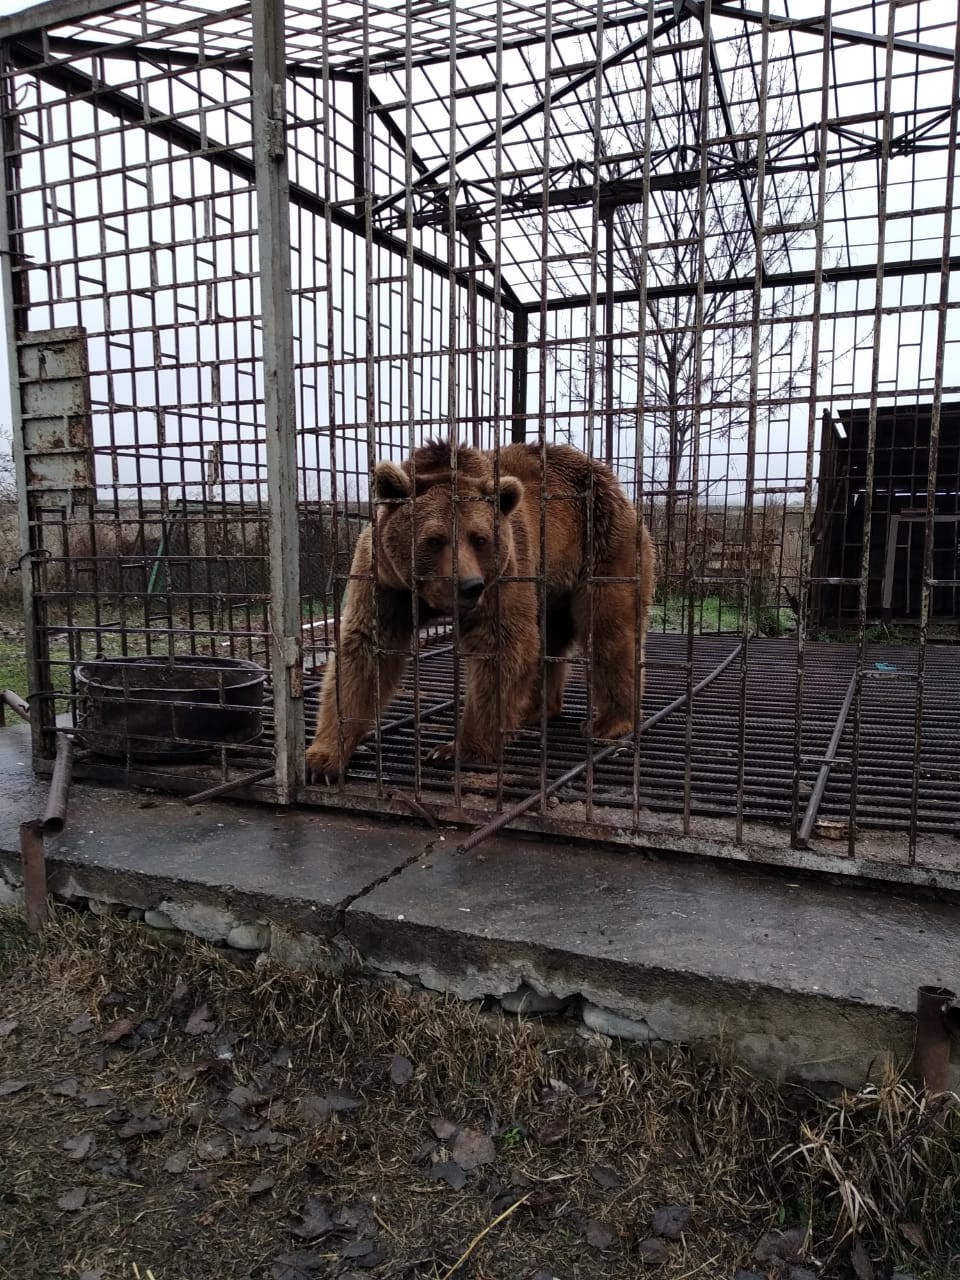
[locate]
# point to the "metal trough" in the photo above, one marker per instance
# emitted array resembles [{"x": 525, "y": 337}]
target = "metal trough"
[{"x": 162, "y": 709}]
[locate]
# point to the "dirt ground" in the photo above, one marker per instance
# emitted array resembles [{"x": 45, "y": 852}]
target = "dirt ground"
[{"x": 169, "y": 1112}]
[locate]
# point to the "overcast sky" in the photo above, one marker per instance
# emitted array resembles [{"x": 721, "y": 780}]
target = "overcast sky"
[
  {"x": 851, "y": 348},
  {"x": 6, "y": 6}
]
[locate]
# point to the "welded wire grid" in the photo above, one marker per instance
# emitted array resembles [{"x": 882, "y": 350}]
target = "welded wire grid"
[{"x": 713, "y": 246}]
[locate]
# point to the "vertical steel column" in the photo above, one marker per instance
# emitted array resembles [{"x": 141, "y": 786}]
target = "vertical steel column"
[
  {"x": 749, "y": 481},
  {"x": 13, "y": 288},
  {"x": 518, "y": 389},
  {"x": 868, "y": 479},
  {"x": 933, "y": 448},
  {"x": 609, "y": 215},
  {"x": 472, "y": 232},
  {"x": 286, "y": 659},
  {"x": 693, "y": 586},
  {"x": 639, "y": 447},
  {"x": 803, "y": 586}
]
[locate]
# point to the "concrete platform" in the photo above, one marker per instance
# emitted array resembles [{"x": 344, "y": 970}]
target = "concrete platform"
[{"x": 805, "y": 979}]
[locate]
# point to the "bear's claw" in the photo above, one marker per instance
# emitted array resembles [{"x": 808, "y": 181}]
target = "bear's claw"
[
  {"x": 322, "y": 767},
  {"x": 606, "y": 730},
  {"x": 468, "y": 755}
]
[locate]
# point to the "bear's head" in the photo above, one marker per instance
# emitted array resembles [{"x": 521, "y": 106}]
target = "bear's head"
[{"x": 447, "y": 542}]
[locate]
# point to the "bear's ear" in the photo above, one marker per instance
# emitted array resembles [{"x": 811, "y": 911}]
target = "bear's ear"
[
  {"x": 390, "y": 482},
  {"x": 511, "y": 491}
]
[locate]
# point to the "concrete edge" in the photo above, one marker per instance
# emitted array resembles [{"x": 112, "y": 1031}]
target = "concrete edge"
[{"x": 807, "y": 1038}]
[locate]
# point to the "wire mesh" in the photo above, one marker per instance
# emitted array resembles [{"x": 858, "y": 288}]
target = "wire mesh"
[{"x": 712, "y": 248}]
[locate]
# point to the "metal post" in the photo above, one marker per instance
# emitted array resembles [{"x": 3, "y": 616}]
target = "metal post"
[
  {"x": 286, "y": 659},
  {"x": 472, "y": 232},
  {"x": 13, "y": 291},
  {"x": 518, "y": 391},
  {"x": 34, "y": 868},
  {"x": 608, "y": 345},
  {"x": 931, "y": 1051}
]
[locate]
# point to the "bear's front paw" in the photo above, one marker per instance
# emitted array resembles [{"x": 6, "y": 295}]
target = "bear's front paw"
[
  {"x": 469, "y": 754},
  {"x": 607, "y": 728},
  {"x": 323, "y": 763}
]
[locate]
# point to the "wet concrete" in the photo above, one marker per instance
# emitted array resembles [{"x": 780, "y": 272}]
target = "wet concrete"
[
  {"x": 807, "y": 979},
  {"x": 142, "y": 850}
]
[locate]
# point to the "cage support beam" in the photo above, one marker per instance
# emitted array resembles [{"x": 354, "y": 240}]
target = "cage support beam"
[
  {"x": 780, "y": 280},
  {"x": 131, "y": 111},
  {"x": 273, "y": 208},
  {"x": 816, "y": 26},
  {"x": 15, "y": 299},
  {"x": 398, "y": 136},
  {"x": 56, "y": 11},
  {"x": 728, "y": 123},
  {"x": 522, "y": 117}
]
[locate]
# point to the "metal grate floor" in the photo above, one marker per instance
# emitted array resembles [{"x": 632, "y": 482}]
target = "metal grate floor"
[
  {"x": 722, "y": 749},
  {"x": 709, "y": 781}
]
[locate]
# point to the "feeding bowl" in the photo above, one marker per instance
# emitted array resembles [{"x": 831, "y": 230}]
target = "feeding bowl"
[{"x": 162, "y": 709}]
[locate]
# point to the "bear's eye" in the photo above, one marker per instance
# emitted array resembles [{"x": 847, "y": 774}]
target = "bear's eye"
[
  {"x": 436, "y": 543},
  {"x": 479, "y": 541}
]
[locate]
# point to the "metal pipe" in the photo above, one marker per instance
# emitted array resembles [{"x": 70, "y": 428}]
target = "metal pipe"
[
  {"x": 224, "y": 788},
  {"x": 524, "y": 806},
  {"x": 813, "y": 804},
  {"x": 34, "y": 875},
  {"x": 931, "y": 1050},
  {"x": 16, "y": 703},
  {"x": 55, "y": 814},
  {"x": 414, "y": 717}
]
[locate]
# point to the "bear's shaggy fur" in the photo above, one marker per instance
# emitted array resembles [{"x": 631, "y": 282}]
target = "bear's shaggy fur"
[{"x": 408, "y": 571}]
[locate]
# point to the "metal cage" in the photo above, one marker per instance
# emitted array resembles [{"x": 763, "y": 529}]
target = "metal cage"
[{"x": 248, "y": 250}]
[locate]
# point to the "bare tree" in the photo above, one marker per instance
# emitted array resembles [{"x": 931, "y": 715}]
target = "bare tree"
[
  {"x": 8, "y": 474},
  {"x": 694, "y": 380}
]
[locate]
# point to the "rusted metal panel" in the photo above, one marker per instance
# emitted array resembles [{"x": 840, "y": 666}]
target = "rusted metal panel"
[{"x": 55, "y": 412}]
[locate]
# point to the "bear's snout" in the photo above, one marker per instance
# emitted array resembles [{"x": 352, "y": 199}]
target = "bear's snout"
[{"x": 469, "y": 590}]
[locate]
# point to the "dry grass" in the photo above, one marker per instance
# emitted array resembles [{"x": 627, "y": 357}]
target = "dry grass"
[{"x": 587, "y": 1143}]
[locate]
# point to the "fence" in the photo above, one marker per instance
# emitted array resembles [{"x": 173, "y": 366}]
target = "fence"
[{"x": 250, "y": 251}]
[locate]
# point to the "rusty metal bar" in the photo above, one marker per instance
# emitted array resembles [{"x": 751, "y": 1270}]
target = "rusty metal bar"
[
  {"x": 518, "y": 385},
  {"x": 55, "y": 814},
  {"x": 418, "y": 717},
  {"x": 544, "y": 107},
  {"x": 931, "y": 1050},
  {"x": 508, "y": 815},
  {"x": 16, "y": 703},
  {"x": 802, "y": 587},
  {"x": 415, "y": 807},
  {"x": 33, "y": 863},
  {"x": 225, "y": 788},
  {"x": 875, "y": 381},
  {"x": 609, "y": 392},
  {"x": 15, "y": 297},
  {"x": 933, "y": 446},
  {"x": 816, "y": 796},
  {"x": 639, "y": 448},
  {"x": 691, "y": 506}
]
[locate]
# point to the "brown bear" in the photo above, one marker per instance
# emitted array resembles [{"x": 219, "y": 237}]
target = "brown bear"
[{"x": 409, "y": 570}]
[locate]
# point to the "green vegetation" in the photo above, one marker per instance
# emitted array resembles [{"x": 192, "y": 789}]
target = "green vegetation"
[{"x": 713, "y": 615}]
